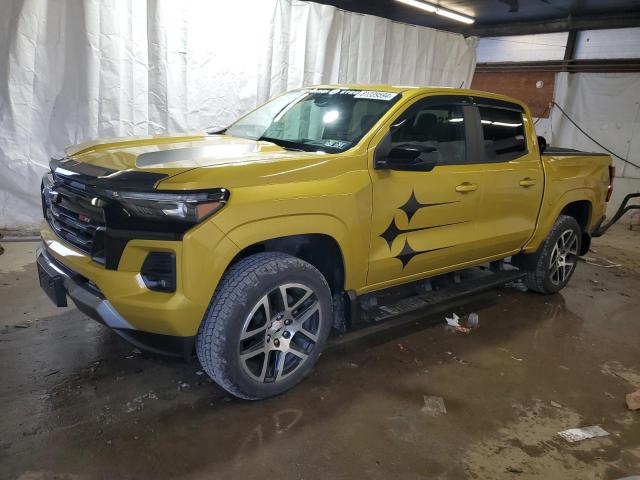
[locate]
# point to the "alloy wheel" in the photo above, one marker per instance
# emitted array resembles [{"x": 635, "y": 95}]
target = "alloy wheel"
[
  {"x": 280, "y": 333},
  {"x": 563, "y": 257}
]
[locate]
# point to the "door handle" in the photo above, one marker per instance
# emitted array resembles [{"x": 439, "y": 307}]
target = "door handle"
[
  {"x": 466, "y": 187},
  {"x": 527, "y": 182}
]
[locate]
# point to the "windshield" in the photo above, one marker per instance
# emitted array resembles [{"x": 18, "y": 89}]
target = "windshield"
[{"x": 315, "y": 119}]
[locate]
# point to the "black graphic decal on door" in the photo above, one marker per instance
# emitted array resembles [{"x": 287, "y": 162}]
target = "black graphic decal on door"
[
  {"x": 412, "y": 205},
  {"x": 393, "y": 231},
  {"x": 407, "y": 253}
]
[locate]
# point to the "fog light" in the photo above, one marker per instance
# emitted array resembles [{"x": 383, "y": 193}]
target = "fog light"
[{"x": 159, "y": 272}]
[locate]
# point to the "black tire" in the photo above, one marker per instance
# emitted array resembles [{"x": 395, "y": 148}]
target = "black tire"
[
  {"x": 541, "y": 276},
  {"x": 247, "y": 294}
]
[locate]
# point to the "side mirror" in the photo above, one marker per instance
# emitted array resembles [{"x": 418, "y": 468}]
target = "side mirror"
[
  {"x": 413, "y": 158},
  {"x": 542, "y": 144}
]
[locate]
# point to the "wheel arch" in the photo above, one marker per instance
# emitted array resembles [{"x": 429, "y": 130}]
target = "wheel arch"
[
  {"x": 577, "y": 203},
  {"x": 298, "y": 235},
  {"x": 318, "y": 249},
  {"x": 581, "y": 210}
]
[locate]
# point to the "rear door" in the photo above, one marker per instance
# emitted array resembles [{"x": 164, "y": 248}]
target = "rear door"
[
  {"x": 423, "y": 222},
  {"x": 513, "y": 177}
]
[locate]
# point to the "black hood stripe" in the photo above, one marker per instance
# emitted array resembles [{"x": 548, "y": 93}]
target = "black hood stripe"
[{"x": 95, "y": 176}]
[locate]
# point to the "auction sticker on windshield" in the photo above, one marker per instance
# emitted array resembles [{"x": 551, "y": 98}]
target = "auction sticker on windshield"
[
  {"x": 365, "y": 94},
  {"x": 373, "y": 95}
]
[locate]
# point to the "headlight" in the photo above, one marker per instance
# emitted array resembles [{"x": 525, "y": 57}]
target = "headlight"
[{"x": 192, "y": 207}]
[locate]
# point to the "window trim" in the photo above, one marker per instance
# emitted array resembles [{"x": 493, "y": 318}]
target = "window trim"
[
  {"x": 497, "y": 105},
  {"x": 464, "y": 101}
]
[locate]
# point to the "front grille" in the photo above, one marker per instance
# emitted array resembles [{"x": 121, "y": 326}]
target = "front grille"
[{"x": 73, "y": 217}]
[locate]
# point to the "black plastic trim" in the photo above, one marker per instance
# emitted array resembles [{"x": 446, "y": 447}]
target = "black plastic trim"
[
  {"x": 158, "y": 280},
  {"x": 495, "y": 103},
  {"x": 570, "y": 152},
  {"x": 93, "y": 176},
  {"x": 170, "y": 345}
]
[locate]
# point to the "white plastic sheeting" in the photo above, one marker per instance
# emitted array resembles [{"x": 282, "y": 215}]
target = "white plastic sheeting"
[
  {"x": 76, "y": 70},
  {"x": 607, "y": 106}
]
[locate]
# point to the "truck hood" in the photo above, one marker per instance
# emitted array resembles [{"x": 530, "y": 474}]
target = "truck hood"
[
  {"x": 142, "y": 163},
  {"x": 172, "y": 154}
]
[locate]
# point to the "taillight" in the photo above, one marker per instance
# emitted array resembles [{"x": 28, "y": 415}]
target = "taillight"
[{"x": 612, "y": 174}]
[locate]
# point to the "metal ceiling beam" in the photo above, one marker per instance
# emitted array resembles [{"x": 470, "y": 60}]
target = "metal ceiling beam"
[
  {"x": 598, "y": 22},
  {"x": 570, "y": 47},
  {"x": 572, "y": 66}
]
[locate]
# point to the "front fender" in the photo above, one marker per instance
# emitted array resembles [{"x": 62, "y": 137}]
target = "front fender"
[{"x": 355, "y": 260}]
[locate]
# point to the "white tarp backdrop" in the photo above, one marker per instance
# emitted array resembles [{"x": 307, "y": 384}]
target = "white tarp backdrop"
[
  {"x": 607, "y": 106},
  {"x": 80, "y": 69}
]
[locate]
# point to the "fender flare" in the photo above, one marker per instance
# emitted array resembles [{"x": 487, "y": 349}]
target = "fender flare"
[{"x": 257, "y": 231}]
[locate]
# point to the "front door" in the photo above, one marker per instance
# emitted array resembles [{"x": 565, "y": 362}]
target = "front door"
[{"x": 423, "y": 222}]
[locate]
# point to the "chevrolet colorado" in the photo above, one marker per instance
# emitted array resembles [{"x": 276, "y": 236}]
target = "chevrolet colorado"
[{"x": 248, "y": 244}]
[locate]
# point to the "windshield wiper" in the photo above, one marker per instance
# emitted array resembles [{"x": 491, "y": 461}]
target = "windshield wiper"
[
  {"x": 213, "y": 131},
  {"x": 286, "y": 144}
]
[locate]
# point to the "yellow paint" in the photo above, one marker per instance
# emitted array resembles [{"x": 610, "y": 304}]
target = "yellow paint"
[{"x": 275, "y": 193}]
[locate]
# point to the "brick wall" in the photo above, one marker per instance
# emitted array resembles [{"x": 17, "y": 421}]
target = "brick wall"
[{"x": 520, "y": 85}]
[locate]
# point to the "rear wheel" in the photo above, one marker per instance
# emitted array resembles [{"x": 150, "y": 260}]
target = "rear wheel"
[
  {"x": 554, "y": 263},
  {"x": 266, "y": 326}
]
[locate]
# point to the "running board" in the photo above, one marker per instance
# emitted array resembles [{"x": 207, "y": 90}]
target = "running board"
[{"x": 454, "y": 292}]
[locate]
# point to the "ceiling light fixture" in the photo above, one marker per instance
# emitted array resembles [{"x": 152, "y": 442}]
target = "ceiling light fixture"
[{"x": 427, "y": 7}]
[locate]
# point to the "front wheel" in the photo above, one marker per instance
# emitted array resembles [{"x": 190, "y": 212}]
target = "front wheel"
[
  {"x": 266, "y": 326},
  {"x": 556, "y": 260}
]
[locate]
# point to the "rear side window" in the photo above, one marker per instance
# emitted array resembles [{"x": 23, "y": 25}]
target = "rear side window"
[
  {"x": 503, "y": 132},
  {"x": 438, "y": 127}
]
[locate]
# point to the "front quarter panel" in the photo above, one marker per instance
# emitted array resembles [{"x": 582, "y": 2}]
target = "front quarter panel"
[{"x": 311, "y": 194}]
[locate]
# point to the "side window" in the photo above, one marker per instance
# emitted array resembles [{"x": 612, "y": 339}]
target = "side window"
[
  {"x": 503, "y": 132},
  {"x": 440, "y": 128}
]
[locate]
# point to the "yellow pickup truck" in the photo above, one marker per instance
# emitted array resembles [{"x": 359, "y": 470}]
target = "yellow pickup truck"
[{"x": 249, "y": 244}]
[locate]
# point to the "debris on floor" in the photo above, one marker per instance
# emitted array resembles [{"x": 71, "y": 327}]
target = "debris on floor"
[
  {"x": 573, "y": 435},
  {"x": 633, "y": 400},
  {"x": 458, "y": 359},
  {"x": 517, "y": 285},
  {"x": 138, "y": 403},
  {"x": 433, "y": 406},
  {"x": 555, "y": 404},
  {"x": 515, "y": 470},
  {"x": 600, "y": 262},
  {"x": 470, "y": 323},
  {"x": 453, "y": 321}
]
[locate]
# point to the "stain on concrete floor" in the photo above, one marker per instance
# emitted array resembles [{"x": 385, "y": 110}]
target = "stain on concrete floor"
[{"x": 79, "y": 403}]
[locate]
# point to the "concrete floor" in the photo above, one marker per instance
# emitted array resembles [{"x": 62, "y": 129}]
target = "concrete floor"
[{"x": 77, "y": 402}]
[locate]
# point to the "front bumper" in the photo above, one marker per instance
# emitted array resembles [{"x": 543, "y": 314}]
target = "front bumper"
[{"x": 90, "y": 301}]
